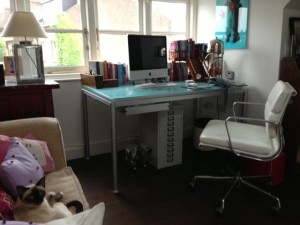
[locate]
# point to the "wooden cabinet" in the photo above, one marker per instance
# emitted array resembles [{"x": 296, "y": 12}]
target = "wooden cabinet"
[
  {"x": 290, "y": 72},
  {"x": 26, "y": 101}
]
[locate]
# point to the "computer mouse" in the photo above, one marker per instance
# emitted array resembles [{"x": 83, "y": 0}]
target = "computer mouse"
[{"x": 193, "y": 84}]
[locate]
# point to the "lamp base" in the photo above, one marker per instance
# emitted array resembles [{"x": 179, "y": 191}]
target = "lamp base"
[{"x": 29, "y": 66}]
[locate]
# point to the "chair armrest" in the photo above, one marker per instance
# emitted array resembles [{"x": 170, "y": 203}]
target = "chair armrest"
[
  {"x": 43, "y": 128},
  {"x": 248, "y": 119},
  {"x": 276, "y": 124},
  {"x": 245, "y": 103}
]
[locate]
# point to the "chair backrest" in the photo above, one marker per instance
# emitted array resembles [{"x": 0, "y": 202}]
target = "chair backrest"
[{"x": 276, "y": 104}]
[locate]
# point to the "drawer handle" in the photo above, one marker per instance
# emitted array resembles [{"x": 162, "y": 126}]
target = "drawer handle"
[
  {"x": 170, "y": 144},
  {"x": 171, "y": 123},
  {"x": 170, "y": 128},
  {"x": 170, "y": 139},
  {"x": 170, "y": 159},
  {"x": 170, "y": 150},
  {"x": 170, "y": 118},
  {"x": 169, "y": 155},
  {"x": 171, "y": 112},
  {"x": 171, "y": 134}
]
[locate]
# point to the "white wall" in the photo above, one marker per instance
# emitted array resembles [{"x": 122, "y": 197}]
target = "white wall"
[
  {"x": 257, "y": 65},
  {"x": 68, "y": 109}
]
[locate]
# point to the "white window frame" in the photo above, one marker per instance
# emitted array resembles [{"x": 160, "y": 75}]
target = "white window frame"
[
  {"x": 24, "y": 5},
  {"x": 145, "y": 26},
  {"x": 90, "y": 31}
]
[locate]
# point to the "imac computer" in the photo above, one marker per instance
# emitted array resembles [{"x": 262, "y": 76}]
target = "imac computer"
[{"x": 147, "y": 58}]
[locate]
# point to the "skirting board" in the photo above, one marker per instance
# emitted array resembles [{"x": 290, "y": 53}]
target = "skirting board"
[
  {"x": 104, "y": 146},
  {"x": 96, "y": 148}
]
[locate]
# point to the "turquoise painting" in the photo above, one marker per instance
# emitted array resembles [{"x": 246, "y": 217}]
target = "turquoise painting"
[{"x": 231, "y": 23}]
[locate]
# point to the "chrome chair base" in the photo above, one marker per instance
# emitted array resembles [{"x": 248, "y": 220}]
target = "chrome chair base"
[{"x": 237, "y": 181}]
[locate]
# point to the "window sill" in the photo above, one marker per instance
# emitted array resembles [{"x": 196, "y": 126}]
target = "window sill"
[{"x": 64, "y": 77}]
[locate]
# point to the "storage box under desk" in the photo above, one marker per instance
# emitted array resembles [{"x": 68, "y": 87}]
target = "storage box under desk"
[{"x": 162, "y": 132}]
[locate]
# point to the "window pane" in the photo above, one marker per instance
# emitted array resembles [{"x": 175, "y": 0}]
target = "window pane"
[
  {"x": 4, "y": 12},
  {"x": 168, "y": 17},
  {"x": 57, "y": 13},
  {"x": 4, "y": 16},
  {"x": 118, "y": 15},
  {"x": 62, "y": 49},
  {"x": 113, "y": 48}
]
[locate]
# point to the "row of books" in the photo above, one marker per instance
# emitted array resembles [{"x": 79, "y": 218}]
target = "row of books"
[
  {"x": 110, "y": 70},
  {"x": 181, "y": 49},
  {"x": 178, "y": 71}
]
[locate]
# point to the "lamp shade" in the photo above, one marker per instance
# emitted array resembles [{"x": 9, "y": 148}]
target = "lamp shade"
[{"x": 23, "y": 24}]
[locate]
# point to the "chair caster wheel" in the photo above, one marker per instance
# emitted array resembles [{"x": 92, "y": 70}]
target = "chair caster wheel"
[
  {"x": 219, "y": 211},
  {"x": 192, "y": 186},
  {"x": 275, "y": 210}
]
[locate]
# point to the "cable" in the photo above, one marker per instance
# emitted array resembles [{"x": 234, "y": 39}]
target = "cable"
[{"x": 31, "y": 59}]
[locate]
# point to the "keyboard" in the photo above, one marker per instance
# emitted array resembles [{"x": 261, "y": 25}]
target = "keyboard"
[{"x": 156, "y": 85}]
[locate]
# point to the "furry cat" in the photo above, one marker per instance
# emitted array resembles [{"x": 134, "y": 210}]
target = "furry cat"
[{"x": 34, "y": 205}]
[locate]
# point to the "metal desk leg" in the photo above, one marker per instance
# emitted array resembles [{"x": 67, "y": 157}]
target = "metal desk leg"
[
  {"x": 86, "y": 127},
  {"x": 114, "y": 148}
]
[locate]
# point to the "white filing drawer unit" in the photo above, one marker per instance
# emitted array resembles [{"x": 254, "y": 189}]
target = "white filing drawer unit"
[{"x": 162, "y": 132}]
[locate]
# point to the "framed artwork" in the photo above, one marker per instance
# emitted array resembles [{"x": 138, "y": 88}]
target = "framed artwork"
[
  {"x": 231, "y": 23},
  {"x": 295, "y": 36},
  {"x": 9, "y": 65}
]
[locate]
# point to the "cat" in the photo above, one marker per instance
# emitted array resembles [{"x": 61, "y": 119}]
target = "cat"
[{"x": 35, "y": 205}]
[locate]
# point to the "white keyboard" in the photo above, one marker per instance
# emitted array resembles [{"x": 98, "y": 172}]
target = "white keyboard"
[{"x": 156, "y": 85}]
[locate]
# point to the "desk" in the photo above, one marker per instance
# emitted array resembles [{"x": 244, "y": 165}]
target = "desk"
[{"x": 128, "y": 95}]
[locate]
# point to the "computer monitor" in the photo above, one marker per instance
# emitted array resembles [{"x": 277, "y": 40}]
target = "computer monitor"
[{"x": 147, "y": 57}]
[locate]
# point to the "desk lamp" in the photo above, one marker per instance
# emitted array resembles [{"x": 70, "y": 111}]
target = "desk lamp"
[
  {"x": 215, "y": 58},
  {"x": 28, "y": 58}
]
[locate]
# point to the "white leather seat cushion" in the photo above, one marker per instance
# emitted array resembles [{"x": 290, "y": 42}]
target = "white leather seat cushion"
[{"x": 244, "y": 137}]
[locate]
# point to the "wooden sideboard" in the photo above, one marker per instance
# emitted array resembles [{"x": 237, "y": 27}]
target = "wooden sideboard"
[
  {"x": 26, "y": 101},
  {"x": 290, "y": 72}
]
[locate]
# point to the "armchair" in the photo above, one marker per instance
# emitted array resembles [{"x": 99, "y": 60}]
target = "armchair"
[
  {"x": 258, "y": 139},
  {"x": 47, "y": 129}
]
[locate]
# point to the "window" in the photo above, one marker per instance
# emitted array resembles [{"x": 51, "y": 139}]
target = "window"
[
  {"x": 140, "y": 16},
  {"x": 4, "y": 15},
  {"x": 79, "y": 30},
  {"x": 114, "y": 24},
  {"x": 171, "y": 19},
  {"x": 64, "y": 49},
  {"x": 62, "y": 21}
]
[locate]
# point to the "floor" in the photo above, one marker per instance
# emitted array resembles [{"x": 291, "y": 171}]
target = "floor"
[{"x": 160, "y": 197}]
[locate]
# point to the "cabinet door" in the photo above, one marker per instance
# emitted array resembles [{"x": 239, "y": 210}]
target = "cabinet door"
[
  {"x": 26, "y": 106},
  {"x": 4, "y": 109}
]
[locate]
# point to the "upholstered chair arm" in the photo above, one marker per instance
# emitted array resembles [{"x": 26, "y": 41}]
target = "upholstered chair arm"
[{"x": 43, "y": 128}]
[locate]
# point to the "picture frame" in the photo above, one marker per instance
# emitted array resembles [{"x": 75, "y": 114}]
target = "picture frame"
[
  {"x": 295, "y": 36},
  {"x": 232, "y": 23},
  {"x": 9, "y": 65}
]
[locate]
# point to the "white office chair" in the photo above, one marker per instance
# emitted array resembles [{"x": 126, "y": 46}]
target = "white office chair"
[{"x": 258, "y": 139}]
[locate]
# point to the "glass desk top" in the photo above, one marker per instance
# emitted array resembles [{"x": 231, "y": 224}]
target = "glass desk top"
[{"x": 125, "y": 92}]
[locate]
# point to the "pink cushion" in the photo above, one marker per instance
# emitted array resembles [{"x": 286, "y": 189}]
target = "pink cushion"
[
  {"x": 6, "y": 205},
  {"x": 38, "y": 149},
  {"x": 19, "y": 168}
]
